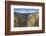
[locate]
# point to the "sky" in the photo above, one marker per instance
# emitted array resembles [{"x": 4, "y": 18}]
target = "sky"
[{"x": 24, "y": 10}]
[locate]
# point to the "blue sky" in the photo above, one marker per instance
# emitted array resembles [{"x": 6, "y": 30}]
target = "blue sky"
[{"x": 24, "y": 10}]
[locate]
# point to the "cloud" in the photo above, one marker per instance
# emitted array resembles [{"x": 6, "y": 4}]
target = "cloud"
[{"x": 23, "y": 10}]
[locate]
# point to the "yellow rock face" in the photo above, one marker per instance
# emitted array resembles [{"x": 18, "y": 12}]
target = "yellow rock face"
[{"x": 31, "y": 20}]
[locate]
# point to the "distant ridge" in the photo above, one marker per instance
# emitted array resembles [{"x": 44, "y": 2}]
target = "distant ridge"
[{"x": 24, "y": 13}]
